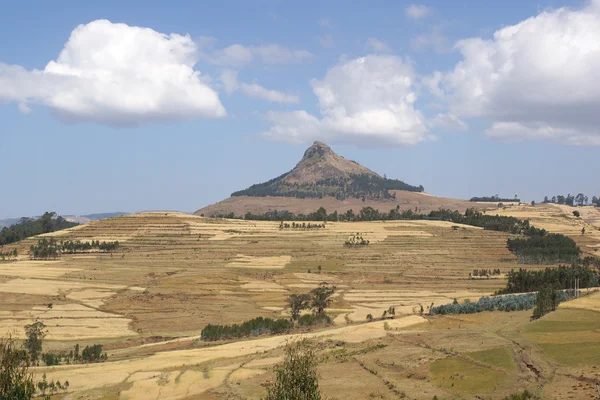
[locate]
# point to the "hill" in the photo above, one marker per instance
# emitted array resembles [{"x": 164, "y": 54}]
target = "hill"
[
  {"x": 323, "y": 178},
  {"x": 321, "y": 173}
]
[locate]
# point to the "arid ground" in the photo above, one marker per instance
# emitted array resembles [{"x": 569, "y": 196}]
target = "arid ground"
[{"x": 175, "y": 273}]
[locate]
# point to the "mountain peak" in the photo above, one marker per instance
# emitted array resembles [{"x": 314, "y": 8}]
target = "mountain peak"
[
  {"x": 320, "y": 163},
  {"x": 318, "y": 149}
]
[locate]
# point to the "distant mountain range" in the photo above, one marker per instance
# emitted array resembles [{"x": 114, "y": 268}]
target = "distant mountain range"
[{"x": 80, "y": 219}]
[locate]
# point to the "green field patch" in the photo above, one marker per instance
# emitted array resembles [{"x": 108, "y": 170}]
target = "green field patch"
[
  {"x": 464, "y": 378},
  {"x": 568, "y": 337},
  {"x": 573, "y": 354},
  {"x": 500, "y": 357}
]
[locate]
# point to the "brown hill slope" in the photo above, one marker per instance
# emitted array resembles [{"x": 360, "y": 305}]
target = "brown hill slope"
[{"x": 322, "y": 178}]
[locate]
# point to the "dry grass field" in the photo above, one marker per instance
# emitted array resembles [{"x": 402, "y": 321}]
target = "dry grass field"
[{"x": 174, "y": 273}]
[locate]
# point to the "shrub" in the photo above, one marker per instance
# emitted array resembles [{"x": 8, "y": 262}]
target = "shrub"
[
  {"x": 296, "y": 378},
  {"x": 314, "y": 319},
  {"x": 16, "y": 383}
]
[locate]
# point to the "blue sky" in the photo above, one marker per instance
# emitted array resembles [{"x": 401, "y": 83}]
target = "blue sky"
[{"x": 466, "y": 98}]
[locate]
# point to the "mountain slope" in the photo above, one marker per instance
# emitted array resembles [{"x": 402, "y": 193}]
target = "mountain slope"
[{"x": 321, "y": 173}]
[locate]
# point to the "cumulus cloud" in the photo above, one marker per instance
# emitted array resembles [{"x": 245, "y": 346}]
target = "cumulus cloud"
[
  {"x": 238, "y": 55},
  {"x": 118, "y": 75},
  {"x": 448, "y": 122},
  {"x": 231, "y": 84},
  {"x": 377, "y": 46},
  {"x": 367, "y": 100},
  {"x": 538, "y": 79},
  {"x": 416, "y": 11}
]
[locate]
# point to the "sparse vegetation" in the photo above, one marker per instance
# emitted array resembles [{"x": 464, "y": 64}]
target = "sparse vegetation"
[
  {"x": 356, "y": 240},
  {"x": 10, "y": 255}
]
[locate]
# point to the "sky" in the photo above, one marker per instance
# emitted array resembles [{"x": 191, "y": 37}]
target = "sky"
[{"x": 130, "y": 106}]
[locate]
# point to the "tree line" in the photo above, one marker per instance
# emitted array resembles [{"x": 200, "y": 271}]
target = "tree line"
[
  {"x": 580, "y": 200},
  {"x": 548, "y": 249},
  {"x": 9, "y": 255},
  {"x": 494, "y": 199},
  {"x": 470, "y": 217},
  {"x": 302, "y": 226},
  {"x": 77, "y": 246},
  {"x": 89, "y": 354},
  {"x": 560, "y": 278},
  {"x": 52, "y": 249},
  {"x": 358, "y": 186},
  {"x": 27, "y": 227},
  {"x": 501, "y": 303}
]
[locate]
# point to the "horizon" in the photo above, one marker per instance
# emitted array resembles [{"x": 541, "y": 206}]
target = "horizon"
[{"x": 196, "y": 102}]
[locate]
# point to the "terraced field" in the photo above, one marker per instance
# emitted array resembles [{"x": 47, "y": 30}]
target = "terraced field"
[{"x": 174, "y": 273}]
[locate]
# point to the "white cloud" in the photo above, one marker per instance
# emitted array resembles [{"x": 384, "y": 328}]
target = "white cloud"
[
  {"x": 118, "y": 75},
  {"x": 377, "y": 46},
  {"x": 537, "y": 79},
  {"x": 230, "y": 83},
  {"x": 448, "y": 122},
  {"x": 368, "y": 100},
  {"x": 255, "y": 90},
  {"x": 416, "y": 11},
  {"x": 238, "y": 55}
]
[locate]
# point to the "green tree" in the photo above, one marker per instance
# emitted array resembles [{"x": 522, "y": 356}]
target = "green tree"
[
  {"x": 545, "y": 302},
  {"x": 35, "y": 334},
  {"x": 16, "y": 383},
  {"x": 296, "y": 378},
  {"x": 297, "y": 303},
  {"x": 321, "y": 297}
]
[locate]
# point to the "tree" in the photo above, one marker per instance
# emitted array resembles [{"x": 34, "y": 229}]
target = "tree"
[
  {"x": 296, "y": 378},
  {"x": 16, "y": 383},
  {"x": 545, "y": 301},
  {"x": 321, "y": 297},
  {"x": 297, "y": 303},
  {"x": 35, "y": 334}
]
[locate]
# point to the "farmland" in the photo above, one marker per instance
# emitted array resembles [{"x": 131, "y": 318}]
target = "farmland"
[{"x": 175, "y": 273}]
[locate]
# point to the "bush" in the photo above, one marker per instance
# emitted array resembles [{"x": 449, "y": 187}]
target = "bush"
[
  {"x": 296, "y": 378},
  {"x": 314, "y": 319},
  {"x": 16, "y": 383}
]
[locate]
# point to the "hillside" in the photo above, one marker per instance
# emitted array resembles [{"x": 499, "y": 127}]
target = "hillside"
[{"x": 323, "y": 178}]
